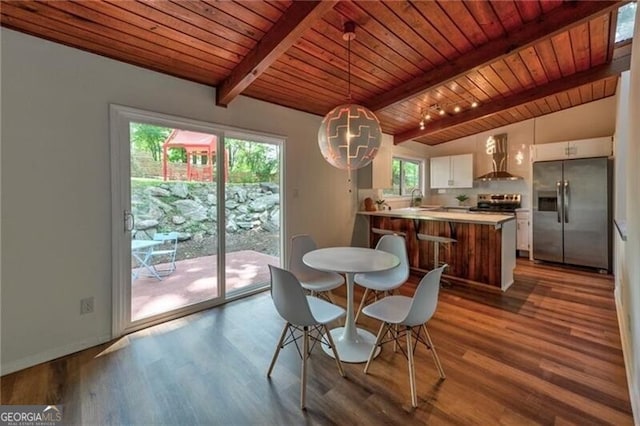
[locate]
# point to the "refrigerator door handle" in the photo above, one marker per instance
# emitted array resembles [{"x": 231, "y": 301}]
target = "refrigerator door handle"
[
  {"x": 558, "y": 201},
  {"x": 565, "y": 208}
]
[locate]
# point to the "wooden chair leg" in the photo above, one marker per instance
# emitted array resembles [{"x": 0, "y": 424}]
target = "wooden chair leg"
[
  {"x": 436, "y": 359},
  {"x": 303, "y": 384},
  {"x": 330, "y": 296},
  {"x": 333, "y": 349},
  {"x": 362, "y": 302},
  {"x": 412, "y": 373},
  {"x": 277, "y": 352},
  {"x": 375, "y": 345},
  {"x": 395, "y": 338}
]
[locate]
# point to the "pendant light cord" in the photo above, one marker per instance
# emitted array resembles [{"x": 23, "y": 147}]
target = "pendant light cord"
[{"x": 349, "y": 68}]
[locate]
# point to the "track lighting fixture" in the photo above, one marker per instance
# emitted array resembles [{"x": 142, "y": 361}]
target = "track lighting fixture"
[{"x": 441, "y": 110}]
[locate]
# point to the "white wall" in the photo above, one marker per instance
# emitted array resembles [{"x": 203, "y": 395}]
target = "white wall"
[
  {"x": 591, "y": 120},
  {"x": 56, "y": 185},
  {"x": 629, "y": 267}
]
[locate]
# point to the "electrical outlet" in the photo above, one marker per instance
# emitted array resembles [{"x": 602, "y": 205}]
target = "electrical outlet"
[{"x": 86, "y": 305}]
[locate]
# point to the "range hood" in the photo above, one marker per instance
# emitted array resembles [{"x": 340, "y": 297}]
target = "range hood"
[{"x": 497, "y": 147}]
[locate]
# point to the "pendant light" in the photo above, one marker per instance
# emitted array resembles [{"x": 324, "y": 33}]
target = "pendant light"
[{"x": 350, "y": 134}]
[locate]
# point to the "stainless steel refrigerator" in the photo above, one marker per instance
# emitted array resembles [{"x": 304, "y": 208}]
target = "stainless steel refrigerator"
[{"x": 571, "y": 212}]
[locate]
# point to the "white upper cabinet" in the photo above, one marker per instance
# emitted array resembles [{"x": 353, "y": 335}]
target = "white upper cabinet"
[
  {"x": 454, "y": 171},
  {"x": 378, "y": 173},
  {"x": 586, "y": 148},
  {"x": 440, "y": 172}
]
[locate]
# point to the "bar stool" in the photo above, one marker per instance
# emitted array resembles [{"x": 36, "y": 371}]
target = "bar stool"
[
  {"x": 388, "y": 232},
  {"x": 436, "y": 240}
]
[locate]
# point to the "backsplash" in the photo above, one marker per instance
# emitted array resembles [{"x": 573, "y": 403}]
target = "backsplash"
[{"x": 448, "y": 197}]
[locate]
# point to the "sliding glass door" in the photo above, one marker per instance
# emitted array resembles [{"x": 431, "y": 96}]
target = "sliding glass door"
[
  {"x": 252, "y": 213},
  {"x": 174, "y": 236},
  {"x": 196, "y": 216}
]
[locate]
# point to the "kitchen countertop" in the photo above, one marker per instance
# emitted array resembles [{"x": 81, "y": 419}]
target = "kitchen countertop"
[{"x": 477, "y": 218}]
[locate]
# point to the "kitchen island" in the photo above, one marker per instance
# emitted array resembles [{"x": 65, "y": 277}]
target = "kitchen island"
[{"x": 484, "y": 251}]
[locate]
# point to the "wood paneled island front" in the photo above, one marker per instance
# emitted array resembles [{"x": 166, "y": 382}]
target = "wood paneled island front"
[{"x": 484, "y": 252}]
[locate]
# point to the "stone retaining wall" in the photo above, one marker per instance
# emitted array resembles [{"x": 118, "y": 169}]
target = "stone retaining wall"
[{"x": 190, "y": 208}]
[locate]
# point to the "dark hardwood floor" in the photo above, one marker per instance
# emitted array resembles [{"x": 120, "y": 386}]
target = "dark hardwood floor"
[{"x": 545, "y": 352}]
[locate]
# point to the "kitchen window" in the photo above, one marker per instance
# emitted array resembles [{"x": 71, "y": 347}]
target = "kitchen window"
[{"x": 406, "y": 176}]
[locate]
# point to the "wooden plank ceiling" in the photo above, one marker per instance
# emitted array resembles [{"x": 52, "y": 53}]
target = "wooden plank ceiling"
[{"x": 516, "y": 59}]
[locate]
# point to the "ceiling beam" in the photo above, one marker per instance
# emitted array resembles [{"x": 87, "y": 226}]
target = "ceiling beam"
[
  {"x": 297, "y": 19},
  {"x": 568, "y": 15},
  {"x": 585, "y": 77}
]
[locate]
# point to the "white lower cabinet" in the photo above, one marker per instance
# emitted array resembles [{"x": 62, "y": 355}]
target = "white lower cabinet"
[{"x": 522, "y": 231}]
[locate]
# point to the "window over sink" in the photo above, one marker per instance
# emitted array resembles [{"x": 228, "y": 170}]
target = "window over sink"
[{"x": 406, "y": 176}]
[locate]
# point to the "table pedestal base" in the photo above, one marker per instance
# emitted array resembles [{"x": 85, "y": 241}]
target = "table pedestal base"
[{"x": 352, "y": 350}]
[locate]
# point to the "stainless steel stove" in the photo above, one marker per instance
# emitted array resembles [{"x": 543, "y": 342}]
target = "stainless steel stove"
[{"x": 497, "y": 203}]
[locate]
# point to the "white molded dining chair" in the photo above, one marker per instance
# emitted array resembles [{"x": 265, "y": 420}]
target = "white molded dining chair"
[
  {"x": 317, "y": 283},
  {"x": 385, "y": 281},
  {"x": 401, "y": 315},
  {"x": 305, "y": 314}
]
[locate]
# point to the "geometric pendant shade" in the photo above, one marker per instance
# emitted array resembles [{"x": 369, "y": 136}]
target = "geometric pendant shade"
[{"x": 349, "y": 136}]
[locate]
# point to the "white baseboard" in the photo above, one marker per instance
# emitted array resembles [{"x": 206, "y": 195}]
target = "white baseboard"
[
  {"x": 51, "y": 354},
  {"x": 634, "y": 386}
]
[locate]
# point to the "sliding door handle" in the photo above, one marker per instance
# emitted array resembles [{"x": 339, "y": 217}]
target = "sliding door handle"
[{"x": 129, "y": 221}]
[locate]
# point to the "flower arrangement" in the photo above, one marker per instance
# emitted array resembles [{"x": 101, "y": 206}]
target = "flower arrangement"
[{"x": 380, "y": 204}]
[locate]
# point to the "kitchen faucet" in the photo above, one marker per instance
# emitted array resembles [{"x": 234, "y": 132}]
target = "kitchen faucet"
[{"x": 414, "y": 199}]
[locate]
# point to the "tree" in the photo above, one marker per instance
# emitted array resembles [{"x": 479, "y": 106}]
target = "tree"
[
  {"x": 251, "y": 161},
  {"x": 147, "y": 137}
]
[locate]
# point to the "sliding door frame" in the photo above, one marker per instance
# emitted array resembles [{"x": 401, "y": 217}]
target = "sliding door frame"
[{"x": 120, "y": 117}]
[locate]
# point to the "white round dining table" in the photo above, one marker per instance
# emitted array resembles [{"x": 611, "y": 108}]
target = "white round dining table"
[{"x": 352, "y": 344}]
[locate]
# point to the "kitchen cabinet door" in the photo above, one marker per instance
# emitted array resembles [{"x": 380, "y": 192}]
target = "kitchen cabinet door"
[
  {"x": 462, "y": 171},
  {"x": 588, "y": 148},
  {"x": 550, "y": 151},
  {"x": 522, "y": 234},
  {"x": 454, "y": 171},
  {"x": 584, "y": 148},
  {"x": 440, "y": 172}
]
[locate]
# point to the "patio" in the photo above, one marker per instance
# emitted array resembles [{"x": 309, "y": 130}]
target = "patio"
[{"x": 195, "y": 280}]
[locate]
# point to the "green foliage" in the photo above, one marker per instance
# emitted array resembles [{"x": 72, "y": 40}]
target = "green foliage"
[
  {"x": 139, "y": 182},
  {"x": 251, "y": 162},
  {"x": 177, "y": 155},
  {"x": 405, "y": 176},
  {"x": 147, "y": 137}
]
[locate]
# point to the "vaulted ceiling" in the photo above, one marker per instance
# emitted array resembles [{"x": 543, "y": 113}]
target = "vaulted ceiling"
[{"x": 516, "y": 59}]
